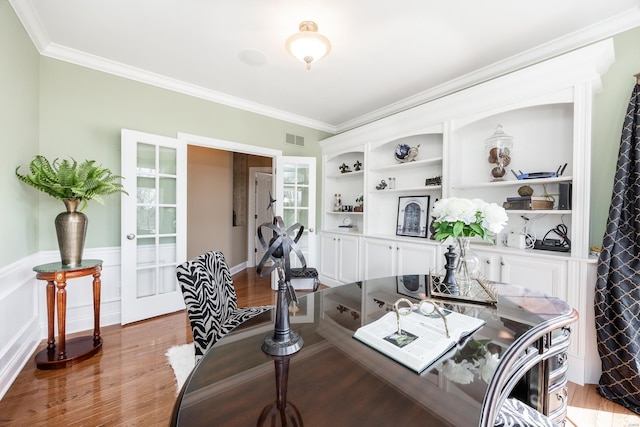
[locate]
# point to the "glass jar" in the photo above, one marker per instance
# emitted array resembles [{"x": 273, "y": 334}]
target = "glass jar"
[{"x": 498, "y": 151}]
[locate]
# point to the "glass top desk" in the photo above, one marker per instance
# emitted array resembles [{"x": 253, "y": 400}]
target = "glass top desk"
[{"x": 336, "y": 380}]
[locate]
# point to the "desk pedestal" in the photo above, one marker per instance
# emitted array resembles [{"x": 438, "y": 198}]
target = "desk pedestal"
[{"x": 64, "y": 353}]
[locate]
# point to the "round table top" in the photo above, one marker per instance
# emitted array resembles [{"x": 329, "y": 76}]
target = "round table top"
[
  {"x": 337, "y": 380},
  {"x": 54, "y": 267}
]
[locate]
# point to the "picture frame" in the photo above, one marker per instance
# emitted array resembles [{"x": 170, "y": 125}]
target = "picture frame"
[
  {"x": 412, "y": 216},
  {"x": 412, "y": 285}
]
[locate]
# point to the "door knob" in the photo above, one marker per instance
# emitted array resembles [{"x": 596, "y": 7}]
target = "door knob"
[
  {"x": 131, "y": 236},
  {"x": 311, "y": 230}
]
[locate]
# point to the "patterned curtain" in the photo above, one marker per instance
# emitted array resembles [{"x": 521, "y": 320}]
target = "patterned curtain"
[{"x": 617, "y": 300}]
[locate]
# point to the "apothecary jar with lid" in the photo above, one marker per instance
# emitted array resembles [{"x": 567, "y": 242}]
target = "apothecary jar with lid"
[{"x": 498, "y": 151}]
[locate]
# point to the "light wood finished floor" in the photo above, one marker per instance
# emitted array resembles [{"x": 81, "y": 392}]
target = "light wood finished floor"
[{"x": 130, "y": 383}]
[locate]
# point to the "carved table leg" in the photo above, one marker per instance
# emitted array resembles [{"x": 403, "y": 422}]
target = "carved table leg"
[
  {"x": 51, "y": 301},
  {"x": 96, "y": 306},
  {"x": 61, "y": 300}
]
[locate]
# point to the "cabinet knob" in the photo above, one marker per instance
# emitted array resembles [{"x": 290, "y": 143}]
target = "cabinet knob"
[
  {"x": 131, "y": 236},
  {"x": 397, "y": 248},
  {"x": 562, "y": 394},
  {"x": 390, "y": 247},
  {"x": 501, "y": 262},
  {"x": 488, "y": 261}
]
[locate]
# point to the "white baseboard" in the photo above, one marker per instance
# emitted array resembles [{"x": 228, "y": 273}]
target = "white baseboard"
[
  {"x": 17, "y": 354},
  {"x": 238, "y": 268},
  {"x": 23, "y": 308}
]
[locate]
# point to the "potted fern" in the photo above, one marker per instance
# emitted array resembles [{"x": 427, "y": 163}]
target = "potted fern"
[{"x": 73, "y": 183}]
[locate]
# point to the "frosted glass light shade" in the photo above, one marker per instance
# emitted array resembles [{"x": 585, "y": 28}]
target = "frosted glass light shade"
[{"x": 308, "y": 45}]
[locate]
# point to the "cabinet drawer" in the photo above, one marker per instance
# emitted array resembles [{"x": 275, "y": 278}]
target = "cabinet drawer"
[
  {"x": 558, "y": 369},
  {"x": 558, "y": 403}
]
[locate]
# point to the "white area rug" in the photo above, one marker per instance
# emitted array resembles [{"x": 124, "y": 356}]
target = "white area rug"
[{"x": 182, "y": 360}]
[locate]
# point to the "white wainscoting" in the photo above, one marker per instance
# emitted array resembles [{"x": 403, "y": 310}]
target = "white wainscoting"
[
  {"x": 23, "y": 306},
  {"x": 19, "y": 323}
]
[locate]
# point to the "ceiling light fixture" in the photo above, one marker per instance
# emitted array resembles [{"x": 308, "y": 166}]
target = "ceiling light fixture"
[{"x": 308, "y": 45}]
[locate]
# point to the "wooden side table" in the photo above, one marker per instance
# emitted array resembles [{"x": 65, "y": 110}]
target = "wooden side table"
[{"x": 65, "y": 353}]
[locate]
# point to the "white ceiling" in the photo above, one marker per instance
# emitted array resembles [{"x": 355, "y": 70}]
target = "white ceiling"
[{"x": 386, "y": 55}]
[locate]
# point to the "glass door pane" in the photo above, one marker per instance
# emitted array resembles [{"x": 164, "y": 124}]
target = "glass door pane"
[
  {"x": 295, "y": 204},
  {"x": 156, "y": 207}
]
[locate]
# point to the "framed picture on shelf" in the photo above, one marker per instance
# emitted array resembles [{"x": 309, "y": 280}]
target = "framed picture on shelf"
[{"x": 412, "y": 216}]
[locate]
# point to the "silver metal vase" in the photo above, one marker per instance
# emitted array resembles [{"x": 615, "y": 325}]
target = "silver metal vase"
[{"x": 71, "y": 228}]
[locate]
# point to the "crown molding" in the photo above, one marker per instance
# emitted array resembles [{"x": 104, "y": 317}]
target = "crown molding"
[
  {"x": 45, "y": 47},
  {"x": 122, "y": 70},
  {"x": 588, "y": 35},
  {"x": 594, "y": 33}
]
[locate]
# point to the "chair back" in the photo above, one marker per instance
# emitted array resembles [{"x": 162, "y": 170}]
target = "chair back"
[{"x": 208, "y": 292}]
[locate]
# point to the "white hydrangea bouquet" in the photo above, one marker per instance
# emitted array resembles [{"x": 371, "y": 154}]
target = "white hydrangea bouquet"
[
  {"x": 474, "y": 359},
  {"x": 457, "y": 217}
]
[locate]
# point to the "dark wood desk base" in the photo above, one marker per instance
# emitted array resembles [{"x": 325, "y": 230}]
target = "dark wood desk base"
[{"x": 78, "y": 349}]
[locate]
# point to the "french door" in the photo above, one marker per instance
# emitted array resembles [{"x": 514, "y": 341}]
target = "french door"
[
  {"x": 154, "y": 226},
  {"x": 296, "y": 180},
  {"x": 153, "y": 238}
]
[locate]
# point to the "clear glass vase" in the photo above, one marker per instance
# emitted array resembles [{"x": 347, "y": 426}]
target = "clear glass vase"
[{"x": 468, "y": 266}]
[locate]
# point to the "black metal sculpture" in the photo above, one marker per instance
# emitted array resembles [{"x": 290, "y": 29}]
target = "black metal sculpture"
[{"x": 284, "y": 341}]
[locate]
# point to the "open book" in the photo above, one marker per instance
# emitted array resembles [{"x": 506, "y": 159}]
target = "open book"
[{"x": 423, "y": 339}]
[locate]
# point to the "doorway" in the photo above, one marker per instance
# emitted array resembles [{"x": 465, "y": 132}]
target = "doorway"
[
  {"x": 260, "y": 193},
  {"x": 157, "y": 168},
  {"x": 218, "y": 182},
  {"x": 219, "y": 203}
]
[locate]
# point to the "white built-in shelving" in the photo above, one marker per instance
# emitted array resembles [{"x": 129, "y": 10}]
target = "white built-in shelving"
[{"x": 547, "y": 109}]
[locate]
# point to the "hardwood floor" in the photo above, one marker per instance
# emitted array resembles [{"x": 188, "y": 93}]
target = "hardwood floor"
[{"x": 130, "y": 383}]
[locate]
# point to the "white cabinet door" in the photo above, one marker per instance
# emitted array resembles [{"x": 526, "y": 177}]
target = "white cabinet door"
[
  {"x": 348, "y": 258},
  {"x": 415, "y": 258},
  {"x": 544, "y": 275},
  {"x": 379, "y": 258},
  {"x": 328, "y": 256},
  {"x": 384, "y": 258},
  {"x": 489, "y": 265},
  {"x": 340, "y": 258}
]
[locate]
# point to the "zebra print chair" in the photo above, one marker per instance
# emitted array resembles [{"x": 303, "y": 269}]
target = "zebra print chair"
[
  {"x": 516, "y": 414},
  {"x": 212, "y": 305}
]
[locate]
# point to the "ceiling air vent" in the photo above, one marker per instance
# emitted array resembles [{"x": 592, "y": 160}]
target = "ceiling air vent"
[{"x": 294, "y": 139}]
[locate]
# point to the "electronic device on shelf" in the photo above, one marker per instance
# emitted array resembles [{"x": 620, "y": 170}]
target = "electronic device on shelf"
[
  {"x": 551, "y": 245},
  {"x": 536, "y": 175},
  {"x": 563, "y": 244}
]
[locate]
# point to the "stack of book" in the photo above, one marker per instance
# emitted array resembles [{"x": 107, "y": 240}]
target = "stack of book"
[{"x": 528, "y": 203}]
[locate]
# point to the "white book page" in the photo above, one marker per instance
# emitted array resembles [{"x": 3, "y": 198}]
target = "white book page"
[{"x": 423, "y": 338}]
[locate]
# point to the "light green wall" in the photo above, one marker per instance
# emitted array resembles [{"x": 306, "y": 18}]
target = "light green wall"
[
  {"x": 82, "y": 112},
  {"x": 610, "y": 107},
  {"x": 19, "y": 130},
  {"x": 59, "y": 109}
]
